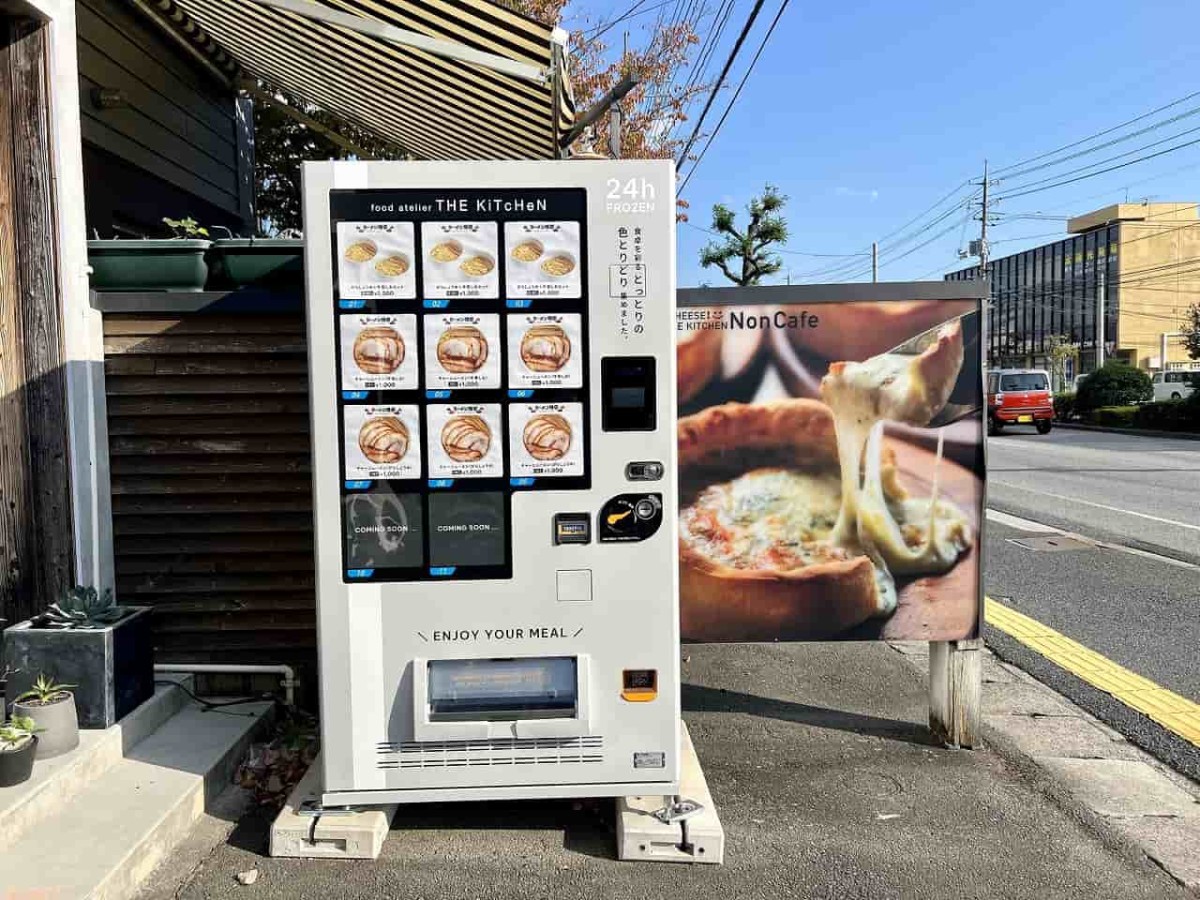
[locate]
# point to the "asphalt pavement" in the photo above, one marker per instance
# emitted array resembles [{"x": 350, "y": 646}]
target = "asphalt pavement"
[
  {"x": 1140, "y": 611},
  {"x": 827, "y": 784},
  {"x": 1139, "y": 491},
  {"x": 1139, "y": 608}
]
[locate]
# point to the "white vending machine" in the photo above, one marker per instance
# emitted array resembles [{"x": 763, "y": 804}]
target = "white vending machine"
[{"x": 492, "y": 358}]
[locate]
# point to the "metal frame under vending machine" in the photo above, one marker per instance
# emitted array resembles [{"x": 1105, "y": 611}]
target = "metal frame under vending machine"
[{"x": 492, "y": 358}]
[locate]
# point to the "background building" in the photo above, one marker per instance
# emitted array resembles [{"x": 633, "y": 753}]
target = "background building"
[{"x": 1125, "y": 278}]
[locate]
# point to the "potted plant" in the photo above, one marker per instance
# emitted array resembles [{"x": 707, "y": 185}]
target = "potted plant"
[
  {"x": 143, "y": 264},
  {"x": 52, "y": 706},
  {"x": 87, "y": 639},
  {"x": 18, "y": 745},
  {"x": 275, "y": 264}
]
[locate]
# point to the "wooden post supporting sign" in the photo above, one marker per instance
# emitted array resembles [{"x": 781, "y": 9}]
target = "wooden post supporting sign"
[{"x": 955, "y": 687}]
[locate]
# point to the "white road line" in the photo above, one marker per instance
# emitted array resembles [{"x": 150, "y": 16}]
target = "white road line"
[
  {"x": 1020, "y": 524},
  {"x": 1030, "y": 526},
  {"x": 1116, "y": 509}
]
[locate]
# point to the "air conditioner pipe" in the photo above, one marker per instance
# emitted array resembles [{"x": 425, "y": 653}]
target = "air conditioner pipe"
[{"x": 288, "y": 682}]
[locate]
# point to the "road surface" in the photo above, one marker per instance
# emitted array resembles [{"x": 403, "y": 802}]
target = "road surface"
[
  {"x": 1138, "y": 607},
  {"x": 1144, "y": 492}
]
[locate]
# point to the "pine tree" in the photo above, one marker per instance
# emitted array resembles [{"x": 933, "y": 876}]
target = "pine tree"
[{"x": 745, "y": 257}]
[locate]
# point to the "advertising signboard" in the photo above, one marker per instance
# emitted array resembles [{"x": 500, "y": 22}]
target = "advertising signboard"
[{"x": 831, "y": 462}]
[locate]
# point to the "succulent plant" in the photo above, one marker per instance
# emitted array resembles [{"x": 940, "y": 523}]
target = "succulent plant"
[
  {"x": 45, "y": 690},
  {"x": 18, "y": 732},
  {"x": 83, "y": 607}
]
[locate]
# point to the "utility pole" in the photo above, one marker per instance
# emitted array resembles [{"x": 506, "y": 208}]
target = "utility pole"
[
  {"x": 874, "y": 260},
  {"x": 1100, "y": 298},
  {"x": 983, "y": 223}
]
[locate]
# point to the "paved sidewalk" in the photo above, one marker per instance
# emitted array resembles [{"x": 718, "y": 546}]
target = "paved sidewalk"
[
  {"x": 819, "y": 760},
  {"x": 1089, "y": 765}
]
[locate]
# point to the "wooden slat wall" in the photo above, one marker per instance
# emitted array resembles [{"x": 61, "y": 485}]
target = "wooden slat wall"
[
  {"x": 212, "y": 503},
  {"x": 179, "y": 125}
]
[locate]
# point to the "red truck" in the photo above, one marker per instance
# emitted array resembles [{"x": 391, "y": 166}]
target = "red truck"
[{"x": 1019, "y": 397}]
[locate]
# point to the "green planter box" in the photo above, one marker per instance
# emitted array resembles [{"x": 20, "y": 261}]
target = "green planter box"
[
  {"x": 148, "y": 265},
  {"x": 272, "y": 263}
]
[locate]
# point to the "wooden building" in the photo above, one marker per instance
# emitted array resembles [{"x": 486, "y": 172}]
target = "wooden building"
[{"x": 158, "y": 443}]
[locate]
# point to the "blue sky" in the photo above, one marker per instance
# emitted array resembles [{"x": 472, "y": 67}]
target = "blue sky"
[{"x": 866, "y": 113}]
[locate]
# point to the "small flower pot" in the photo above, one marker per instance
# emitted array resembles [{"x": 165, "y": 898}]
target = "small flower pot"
[
  {"x": 267, "y": 263},
  {"x": 17, "y": 765},
  {"x": 148, "y": 265},
  {"x": 58, "y": 723},
  {"x": 112, "y": 667}
]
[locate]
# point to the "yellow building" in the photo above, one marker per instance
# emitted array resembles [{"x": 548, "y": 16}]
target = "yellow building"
[{"x": 1124, "y": 279}]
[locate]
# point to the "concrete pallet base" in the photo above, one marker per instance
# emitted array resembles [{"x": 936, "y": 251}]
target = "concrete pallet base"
[
  {"x": 700, "y": 839},
  {"x": 640, "y": 836},
  {"x": 99, "y": 822},
  {"x": 345, "y": 835}
]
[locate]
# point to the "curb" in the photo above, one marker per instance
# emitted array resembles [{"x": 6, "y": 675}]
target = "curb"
[
  {"x": 1133, "y": 432},
  {"x": 1136, "y": 805}
]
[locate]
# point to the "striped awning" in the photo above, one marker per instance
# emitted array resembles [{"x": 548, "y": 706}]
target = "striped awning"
[{"x": 475, "y": 80}]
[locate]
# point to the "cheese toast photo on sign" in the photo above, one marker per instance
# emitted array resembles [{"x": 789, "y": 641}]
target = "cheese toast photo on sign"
[{"x": 843, "y": 499}]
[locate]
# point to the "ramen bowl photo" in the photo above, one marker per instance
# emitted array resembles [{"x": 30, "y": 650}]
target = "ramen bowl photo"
[
  {"x": 529, "y": 250},
  {"x": 446, "y": 251},
  {"x": 361, "y": 251},
  {"x": 393, "y": 265},
  {"x": 558, "y": 265},
  {"x": 477, "y": 265}
]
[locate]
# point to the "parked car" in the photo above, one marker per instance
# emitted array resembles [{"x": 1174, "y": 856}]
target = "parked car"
[
  {"x": 1174, "y": 385},
  {"x": 1019, "y": 397}
]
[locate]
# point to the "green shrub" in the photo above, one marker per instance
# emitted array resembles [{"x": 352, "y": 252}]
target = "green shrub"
[
  {"x": 1113, "y": 416},
  {"x": 1064, "y": 406},
  {"x": 1169, "y": 415},
  {"x": 1115, "y": 384}
]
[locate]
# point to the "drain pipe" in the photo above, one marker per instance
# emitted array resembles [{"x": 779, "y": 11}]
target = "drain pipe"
[{"x": 288, "y": 682}]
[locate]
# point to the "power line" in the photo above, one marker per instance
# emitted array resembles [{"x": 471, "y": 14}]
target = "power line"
[
  {"x": 776, "y": 249},
  {"x": 699, "y": 69},
  {"x": 1026, "y": 237},
  {"x": 848, "y": 271},
  {"x": 1111, "y": 158},
  {"x": 712, "y": 96},
  {"x": 699, "y": 66},
  {"x": 1077, "y": 201},
  {"x": 910, "y": 251},
  {"x": 938, "y": 268},
  {"x": 1035, "y": 190},
  {"x": 1162, "y": 232},
  {"x": 720, "y": 19},
  {"x": 1117, "y": 140},
  {"x": 737, "y": 93},
  {"x": 1092, "y": 137},
  {"x": 840, "y": 270},
  {"x": 632, "y": 13}
]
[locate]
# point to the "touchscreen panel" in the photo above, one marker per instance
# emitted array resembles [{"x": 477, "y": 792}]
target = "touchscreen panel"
[{"x": 462, "y": 354}]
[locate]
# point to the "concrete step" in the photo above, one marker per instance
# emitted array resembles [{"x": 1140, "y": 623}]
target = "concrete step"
[
  {"x": 56, "y": 781},
  {"x": 116, "y": 829}
]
